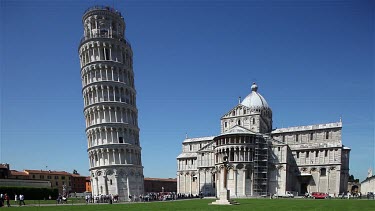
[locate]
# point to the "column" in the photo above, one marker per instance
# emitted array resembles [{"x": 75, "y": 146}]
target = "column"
[
  {"x": 114, "y": 156},
  {"x": 97, "y": 185},
  {"x": 108, "y": 98},
  {"x": 109, "y": 113},
  {"x": 127, "y": 184},
  {"x": 235, "y": 181},
  {"x": 106, "y": 134},
  {"x": 244, "y": 182},
  {"x": 178, "y": 183},
  {"x": 114, "y": 91},
  {"x": 199, "y": 183},
  {"x": 104, "y": 110},
  {"x": 109, "y": 163},
  {"x": 105, "y": 184},
  {"x": 117, "y": 179},
  {"x": 119, "y": 156}
]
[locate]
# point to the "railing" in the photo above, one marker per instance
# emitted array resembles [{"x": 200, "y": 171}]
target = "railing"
[
  {"x": 101, "y": 7},
  {"x": 84, "y": 38}
]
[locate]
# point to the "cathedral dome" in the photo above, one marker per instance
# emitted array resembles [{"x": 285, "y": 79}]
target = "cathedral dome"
[{"x": 254, "y": 99}]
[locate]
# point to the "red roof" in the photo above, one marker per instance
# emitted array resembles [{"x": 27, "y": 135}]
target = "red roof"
[
  {"x": 48, "y": 172},
  {"x": 18, "y": 173}
]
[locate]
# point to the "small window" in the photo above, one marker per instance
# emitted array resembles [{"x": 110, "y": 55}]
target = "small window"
[
  {"x": 297, "y": 154},
  {"x": 63, "y": 183},
  {"x": 326, "y": 153},
  {"x": 307, "y": 154},
  {"x": 225, "y": 124},
  {"x": 57, "y": 183},
  {"x": 278, "y": 149},
  {"x": 191, "y": 147},
  {"x": 234, "y": 113},
  {"x": 239, "y": 122},
  {"x": 283, "y": 138},
  {"x": 311, "y": 136},
  {"x": 327, "y": 135},
  {"x": 194, "y": 179},
  {"x": 63, "y": 177},
  {"x": 323, "y": 172},
  {"x": 120, "y": 139},
  {"x": 317, "y": 154},
  {"x": 253, "y": 121},
  {"x": 297, "y": 138},
  {"x": 33, "y": 176},
  {"x": 200, "y": 146},
  {"x": 192, "y": 161},
  {"x": 244, "y": 111},
  {"x": 186, "y": 162},
  {"x": 110, "y": 182}
]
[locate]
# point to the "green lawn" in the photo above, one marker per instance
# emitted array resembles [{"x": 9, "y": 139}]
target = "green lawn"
[{"x": 245, "y": 204}]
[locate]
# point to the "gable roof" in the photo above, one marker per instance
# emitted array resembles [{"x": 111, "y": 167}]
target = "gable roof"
[
  {"x": 187, "y": 155},
  {"x": 238, "y": 130}
]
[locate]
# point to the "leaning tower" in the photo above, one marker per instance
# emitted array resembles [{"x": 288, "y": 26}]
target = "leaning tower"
[{"x": 110, "y": 109}]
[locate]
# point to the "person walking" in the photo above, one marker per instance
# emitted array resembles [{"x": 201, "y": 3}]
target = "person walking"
[
  {"x": 22, "y": 200},
  {"x": 15, "y": 199},
  {"x": 7, "y": 200}
]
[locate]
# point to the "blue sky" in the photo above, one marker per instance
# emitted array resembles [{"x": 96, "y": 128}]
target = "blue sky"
[{"x": 312, "y": 60}]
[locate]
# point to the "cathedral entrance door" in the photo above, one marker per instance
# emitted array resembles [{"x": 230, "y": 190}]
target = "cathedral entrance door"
[{"x": 303, "y": 188}]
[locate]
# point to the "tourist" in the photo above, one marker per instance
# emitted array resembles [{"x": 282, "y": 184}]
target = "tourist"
[
  {"x": 7, "y": 200},
  {"x": 22, "y": 198}
]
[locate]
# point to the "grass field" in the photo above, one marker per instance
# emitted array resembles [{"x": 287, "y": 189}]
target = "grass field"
[{"x": 197, "y": 204}]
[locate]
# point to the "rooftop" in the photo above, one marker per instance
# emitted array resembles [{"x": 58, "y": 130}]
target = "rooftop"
[
  {"x": 308, "y": 127},
  {"x": 206, "y": 138},
  {"x": 102, "y": 7}
]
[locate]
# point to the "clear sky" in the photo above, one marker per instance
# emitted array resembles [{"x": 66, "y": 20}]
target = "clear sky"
[{"x": 312, "y": 60}]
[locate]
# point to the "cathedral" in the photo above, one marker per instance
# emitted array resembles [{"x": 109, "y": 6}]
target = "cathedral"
[{"x": 260, "y": 160}]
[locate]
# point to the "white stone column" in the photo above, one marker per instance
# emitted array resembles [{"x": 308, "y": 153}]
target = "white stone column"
[
  {"x": 113, "y": 155},
  {"x": 127, "y": 184},
  {"x": 235, "y": 181},
  {"x": 110, "y": 113}
]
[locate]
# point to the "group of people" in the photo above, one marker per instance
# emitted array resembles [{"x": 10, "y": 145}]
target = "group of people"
[
  {"x": 101, "y": 198},
  {"x": 61, "y": 199},
  {"x": 5, "y": 198}
]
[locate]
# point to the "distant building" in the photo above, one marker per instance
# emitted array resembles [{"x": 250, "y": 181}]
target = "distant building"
[
  {"x": 368, "y": 185},
  {"x": 260, "y": 160},
  {"x": 160, "y": 185},
  {"x": 78, "y": 183},
  {"x": 42, "y": 178},
  {"x": 4, "y": 170},
  {"x": 88, "y": 185},
  {"x": 58, "y": 179}
]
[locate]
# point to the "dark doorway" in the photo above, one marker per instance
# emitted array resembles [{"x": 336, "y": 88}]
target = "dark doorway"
[{"x": 303, "y": 188}]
